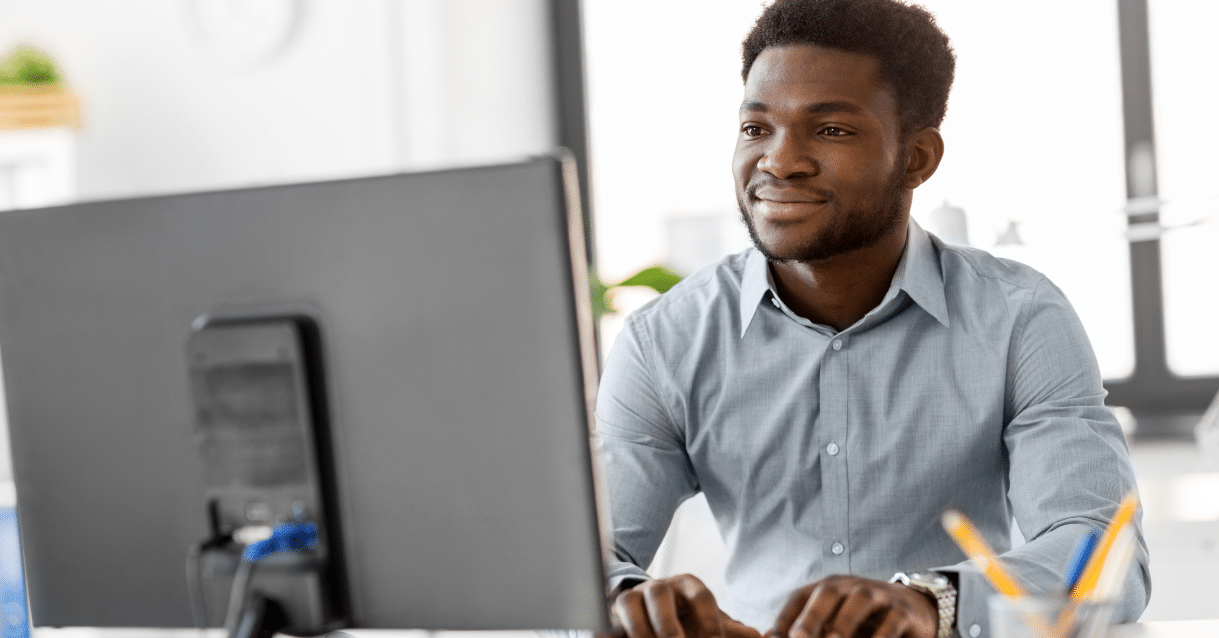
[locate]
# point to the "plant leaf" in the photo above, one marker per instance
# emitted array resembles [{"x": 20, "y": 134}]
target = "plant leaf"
[
  {"x": 27, "y": 65},
  {"x": 599, "y": 293},
  {"x": 658, "y": 278}
]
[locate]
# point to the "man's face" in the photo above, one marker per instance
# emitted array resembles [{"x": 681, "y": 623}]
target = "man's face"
[{"x": 819, "y": 164}]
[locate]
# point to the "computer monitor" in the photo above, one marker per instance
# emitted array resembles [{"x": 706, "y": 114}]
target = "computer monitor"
[{"x": 435, "y": 330}]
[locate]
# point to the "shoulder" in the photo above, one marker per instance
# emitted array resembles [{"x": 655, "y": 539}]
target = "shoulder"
[
  {"x": 965, "y": 264},
  {"x": 975, "y": 277},
  {"x": 1012, "y": 301}
]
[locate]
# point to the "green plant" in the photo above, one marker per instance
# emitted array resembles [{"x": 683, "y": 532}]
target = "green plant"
[
  {"x": 658, "y": 278},
  {"x": 26, "y": 65}
]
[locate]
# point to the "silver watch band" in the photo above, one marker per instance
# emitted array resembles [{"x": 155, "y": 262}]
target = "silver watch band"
[{"x": 941, "y": 589}]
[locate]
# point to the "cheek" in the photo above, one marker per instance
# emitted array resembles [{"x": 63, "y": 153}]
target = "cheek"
[
  {"x": 742, "y": 166},
  {"x": 861, "y": 169}
]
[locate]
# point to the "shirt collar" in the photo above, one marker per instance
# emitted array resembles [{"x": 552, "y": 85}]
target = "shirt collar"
[
  {"x": 918, "y": 274},
  {"x": 755, "y": 283}
]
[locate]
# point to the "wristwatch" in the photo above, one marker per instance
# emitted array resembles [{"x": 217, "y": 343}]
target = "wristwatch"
[{"x": 938, "y": 586}]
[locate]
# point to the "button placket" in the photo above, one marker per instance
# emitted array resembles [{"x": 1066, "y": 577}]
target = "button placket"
[{"x": 834, "y": 421}]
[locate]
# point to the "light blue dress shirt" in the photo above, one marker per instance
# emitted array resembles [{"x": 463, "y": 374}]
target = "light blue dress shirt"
[{"x": 972, "y": 385}]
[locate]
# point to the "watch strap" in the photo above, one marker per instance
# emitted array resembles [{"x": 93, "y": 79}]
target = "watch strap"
[{"x": 939, "y": 588}]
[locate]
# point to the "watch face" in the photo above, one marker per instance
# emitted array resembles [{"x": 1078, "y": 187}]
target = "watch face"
[{"x": 930, "y": 577}]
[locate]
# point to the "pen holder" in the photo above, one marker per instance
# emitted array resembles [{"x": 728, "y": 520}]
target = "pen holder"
[{"x": 1048, "y": 617}]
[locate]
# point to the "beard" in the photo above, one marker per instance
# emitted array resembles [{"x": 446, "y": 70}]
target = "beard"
[{"x": 850, "y": 229}]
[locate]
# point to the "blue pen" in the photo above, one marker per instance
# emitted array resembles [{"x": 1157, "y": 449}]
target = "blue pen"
[{"x": 1083, "y": 551}]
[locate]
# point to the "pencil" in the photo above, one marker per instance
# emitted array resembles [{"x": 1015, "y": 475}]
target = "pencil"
[
  {"x": 977, "y": 549},
  {"x": 1092, "y": 572},
  {"x": 1083, "y": 551},
  {"x": 1113, "y": 576}
]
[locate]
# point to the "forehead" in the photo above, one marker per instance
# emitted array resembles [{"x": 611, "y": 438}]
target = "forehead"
[{"x": 800, "y": 75}]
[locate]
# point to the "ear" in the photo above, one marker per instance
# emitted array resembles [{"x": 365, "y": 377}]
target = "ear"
[{"x": 926, "y": 149}]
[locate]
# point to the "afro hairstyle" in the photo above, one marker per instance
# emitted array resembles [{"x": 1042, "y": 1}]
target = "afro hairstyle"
[{"x": 915, "y": 57}]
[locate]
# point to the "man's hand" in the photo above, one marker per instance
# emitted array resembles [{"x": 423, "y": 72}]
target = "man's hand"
[
  {"x": 676, "y": 607},
  {"x": 854, "y": 607}
]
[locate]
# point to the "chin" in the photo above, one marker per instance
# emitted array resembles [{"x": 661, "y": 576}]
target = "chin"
[{"x": 785, "y": 251}]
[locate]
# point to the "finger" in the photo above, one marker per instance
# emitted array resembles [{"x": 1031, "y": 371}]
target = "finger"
[
  {"x": 737, "y": 629},
  {"x": 818, "y": 612},
  {"x": 895, "y": 625},
  {"x": 661, "y": 604},
  {"x": 632, "y": 615},
  {"x": 702, "y": 604},
  {"x": 791, "y": 610},
  {"x": 856, "y": 607}
]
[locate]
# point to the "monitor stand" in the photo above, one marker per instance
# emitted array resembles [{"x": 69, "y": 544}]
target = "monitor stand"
[{"x": 260, "y": 617}]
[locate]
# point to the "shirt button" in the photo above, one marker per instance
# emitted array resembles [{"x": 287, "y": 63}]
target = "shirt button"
[
  {"x": 837, "y": 548},
  {"x": 832, "y": 449},
  {"x": 974, "y": 630},
  {"x": 838, "y": 344}
]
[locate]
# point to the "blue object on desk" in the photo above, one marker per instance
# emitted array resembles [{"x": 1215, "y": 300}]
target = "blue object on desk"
[
  {"x": 14, "y": 619},
  {"x": 287, "y": 536},
  {"x": 1083, "y": 551}
]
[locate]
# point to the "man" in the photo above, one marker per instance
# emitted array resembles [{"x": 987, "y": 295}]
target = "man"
[{"x": 834, "y": 389}]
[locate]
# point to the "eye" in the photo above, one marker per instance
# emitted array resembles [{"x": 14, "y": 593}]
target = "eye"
[
  {"x": 834, "y": 131},
  {"x": 751, "y": 130}
]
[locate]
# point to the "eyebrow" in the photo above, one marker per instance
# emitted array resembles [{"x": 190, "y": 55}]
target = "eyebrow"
[{"x": 812, "y": 109}]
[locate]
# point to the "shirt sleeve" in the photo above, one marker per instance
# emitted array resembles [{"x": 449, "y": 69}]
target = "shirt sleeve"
[
  {"x": 642, "y": 453},
  {"x": 1068, "y": 464}
]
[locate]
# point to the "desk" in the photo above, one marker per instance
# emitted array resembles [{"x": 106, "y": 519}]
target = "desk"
[{"x": 1168, "y": 629}]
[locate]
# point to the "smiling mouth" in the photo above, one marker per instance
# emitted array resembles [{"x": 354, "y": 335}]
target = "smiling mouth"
[
  {"x": 776, "y": 194},
  {"x": 779, "y": 211},
  {"x": 773, "y": 200}
]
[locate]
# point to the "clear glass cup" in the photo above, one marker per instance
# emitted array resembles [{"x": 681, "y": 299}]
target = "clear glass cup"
[{"x": 1048, "y": 617}]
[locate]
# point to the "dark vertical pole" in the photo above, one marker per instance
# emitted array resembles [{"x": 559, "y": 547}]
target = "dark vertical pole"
[
  {"x": 571, "y": 111},
  {"x": 1150, "y": 354},
  {"x": 1162, "y": 402},
  {"x": 567, "y": 53}
]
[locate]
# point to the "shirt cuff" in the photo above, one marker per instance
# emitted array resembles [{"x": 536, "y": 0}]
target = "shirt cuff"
[
  {"x": 623, "y": 576},
  {"x": 973, "y": 590}
]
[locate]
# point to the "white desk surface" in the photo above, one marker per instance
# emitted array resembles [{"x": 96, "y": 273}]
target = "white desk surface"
[
  {"x": 1159, "y": 629},
  {"x": 1168, "y": 629}
]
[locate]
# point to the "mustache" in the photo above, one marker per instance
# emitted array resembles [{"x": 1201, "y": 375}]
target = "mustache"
[{"x": 751, "y": 191}]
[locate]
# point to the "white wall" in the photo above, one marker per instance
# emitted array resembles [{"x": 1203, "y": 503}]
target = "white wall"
[{"x": 361, "y": 87}]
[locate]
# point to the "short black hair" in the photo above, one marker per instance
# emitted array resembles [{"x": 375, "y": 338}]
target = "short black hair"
[{"x": 916, "y": 58}]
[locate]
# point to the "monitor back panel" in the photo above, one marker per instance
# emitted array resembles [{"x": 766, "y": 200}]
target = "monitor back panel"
[{"x": 454, "y": 372}]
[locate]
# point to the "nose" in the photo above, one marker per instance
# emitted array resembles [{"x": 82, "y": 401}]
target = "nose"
[{"x": 787, "y": 157}]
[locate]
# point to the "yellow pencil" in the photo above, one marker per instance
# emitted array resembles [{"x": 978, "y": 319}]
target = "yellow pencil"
[
  {"x": 977, "y": 549},
  {"x": 1087, "y": 580}
]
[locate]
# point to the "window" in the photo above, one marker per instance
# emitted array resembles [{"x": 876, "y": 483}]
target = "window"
[
  {"x": 1033, "y": 136},
  {"x": 1183, "y": 59}
]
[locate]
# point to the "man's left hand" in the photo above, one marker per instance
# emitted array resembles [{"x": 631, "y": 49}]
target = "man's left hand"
[{"x": 853, "y": 607}]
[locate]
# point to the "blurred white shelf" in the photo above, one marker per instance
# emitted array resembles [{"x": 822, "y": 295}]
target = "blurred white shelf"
[{"x": 37, "y": 167}]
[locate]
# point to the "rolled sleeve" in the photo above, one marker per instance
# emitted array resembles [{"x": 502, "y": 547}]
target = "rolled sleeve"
[{"x": 1068, "y": 463}]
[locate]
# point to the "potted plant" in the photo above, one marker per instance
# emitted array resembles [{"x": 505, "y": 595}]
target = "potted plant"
[{"x": 32, "y": 92}]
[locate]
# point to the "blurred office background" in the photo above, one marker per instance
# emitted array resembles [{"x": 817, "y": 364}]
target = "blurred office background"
[{"x": 1048, "y": 160}]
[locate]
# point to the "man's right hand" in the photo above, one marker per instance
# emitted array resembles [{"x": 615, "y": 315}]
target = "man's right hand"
[{"x": 676, "y": 607}]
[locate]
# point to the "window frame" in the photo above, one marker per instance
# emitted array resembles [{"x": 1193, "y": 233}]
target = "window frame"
[{"x": 1162, "y": 402}]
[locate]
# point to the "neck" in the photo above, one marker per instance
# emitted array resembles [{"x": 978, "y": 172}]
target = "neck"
[{"x": 839, "y": 291}]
